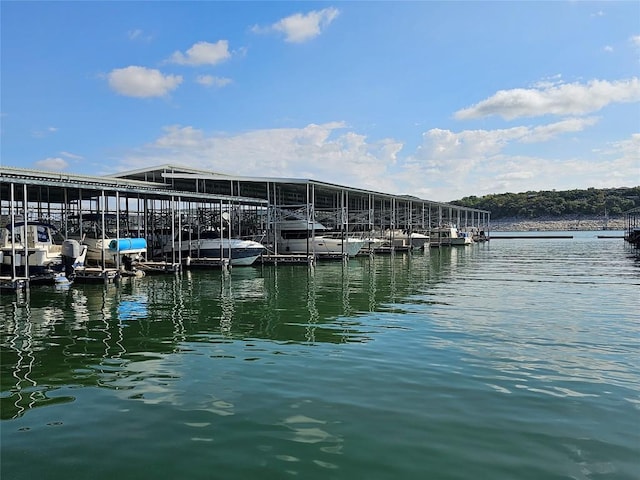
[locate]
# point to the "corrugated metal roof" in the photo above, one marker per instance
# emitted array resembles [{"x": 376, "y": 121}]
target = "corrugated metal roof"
[
  {"x": 98, "y": 183},
  {"x": 184, "y": 173}
]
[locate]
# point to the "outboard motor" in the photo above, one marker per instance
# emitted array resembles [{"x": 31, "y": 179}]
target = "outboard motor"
[
  {"x": 127, "y": 262},
  {"x": 71, "y": 250}
]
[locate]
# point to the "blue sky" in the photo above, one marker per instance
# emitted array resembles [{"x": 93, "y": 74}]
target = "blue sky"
[{"x": 439, "y": 100}]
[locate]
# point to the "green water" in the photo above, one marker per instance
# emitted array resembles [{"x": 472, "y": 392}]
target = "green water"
[{"x": 516, "y": 359}]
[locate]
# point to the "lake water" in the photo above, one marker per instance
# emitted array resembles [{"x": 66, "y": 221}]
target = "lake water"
[{"x": 513, "y": 359}]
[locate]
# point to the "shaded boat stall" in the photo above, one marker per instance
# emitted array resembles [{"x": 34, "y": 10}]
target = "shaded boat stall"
[
  {"x": 115, "y": 216},
  {"x": 632, "y": 227},
  {"x": 162, "y": 218},
  {"x": 342, "y": 210}
]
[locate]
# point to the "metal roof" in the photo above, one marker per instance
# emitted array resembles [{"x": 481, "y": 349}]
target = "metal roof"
[
  {"x": 161, "y": 186},
  {"x": 181, "y": 172},
  {"x": 114, "y": 184}
]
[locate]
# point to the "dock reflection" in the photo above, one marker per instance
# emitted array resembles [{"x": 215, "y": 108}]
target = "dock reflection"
[{"x": 111, "y": 336}]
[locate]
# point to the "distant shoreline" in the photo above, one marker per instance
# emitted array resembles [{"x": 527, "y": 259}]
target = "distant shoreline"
[{"x": 547, "y": 224}]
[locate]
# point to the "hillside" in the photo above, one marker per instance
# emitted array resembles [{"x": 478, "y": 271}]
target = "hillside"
[{"x": 592, "y": 203}]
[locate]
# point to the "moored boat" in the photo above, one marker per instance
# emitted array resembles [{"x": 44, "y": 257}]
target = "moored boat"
[
  {"x": 105, "y": 247},
  {"x": 449, "y": 235},
  {"x": 209, "y": 244},
  {"x": 33, "y": 248},
  {"x": 304, "y": 237}
]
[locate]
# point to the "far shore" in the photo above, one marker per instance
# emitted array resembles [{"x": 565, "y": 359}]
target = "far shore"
[{"x": 556, "y": 224}]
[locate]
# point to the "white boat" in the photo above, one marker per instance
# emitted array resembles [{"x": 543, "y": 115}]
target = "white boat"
[
  {"x": 373, "y": 243},
  {"x": 210, "y": 245},
  {"x": 402, "y": 239},
  {"x": 304, "y": 237},
  {"x": 41, "y": 254},
  {"x": 449, "y": 236},
  {"x": 476, "y": 234},
  {"x": 463, "y": 238},
  {"x": 107, "y": 249}
]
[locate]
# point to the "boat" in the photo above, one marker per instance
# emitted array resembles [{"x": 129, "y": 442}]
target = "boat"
[
  {"x": 463, "y": 238},
  {"x": 404, "y": 240},
  {"x": 47, "y": 261},
  {"x": 209, "y": 244},
  {"x": 477, "y": 235},
  {"x": 106, "y": 251},
  {"x": 305, "y": 237},
  {"x": 107, "y": 248},
  {"x": 449, "y": 235},
  {"x": 374, "y": 244},
  {"x": 419, "y": 240}
]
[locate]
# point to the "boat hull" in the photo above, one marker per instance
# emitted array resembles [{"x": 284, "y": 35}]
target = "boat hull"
[
  {"x": 321, "y": 246},
  {"x": 240, "y": 252}
]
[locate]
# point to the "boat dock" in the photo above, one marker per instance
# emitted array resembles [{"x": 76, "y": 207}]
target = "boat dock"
[
  {"x": 275, "y": 259},
  {"x": 158, "y": 268},
  {"x": 96, "y": 275},
  {"x": 632, "y": 229},
  {"x": 152, "y": 220},
  {"x": 10, "y": 284}
]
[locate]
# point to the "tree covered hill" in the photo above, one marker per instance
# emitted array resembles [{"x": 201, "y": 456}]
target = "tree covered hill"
[{"x": 591, "y": 202}]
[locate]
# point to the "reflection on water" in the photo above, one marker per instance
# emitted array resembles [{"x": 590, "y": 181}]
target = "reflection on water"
[
  {"x": 100, "y": 335},
  {"x": 376, "y": 367}
]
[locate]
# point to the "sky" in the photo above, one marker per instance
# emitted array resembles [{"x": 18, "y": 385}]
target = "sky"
[{"x": 439, "y": 100}]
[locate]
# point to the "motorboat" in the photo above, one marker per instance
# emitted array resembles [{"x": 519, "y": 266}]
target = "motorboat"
[
  {"x": 476, "y": 234},
  {"x": 463, "y": 238},
  {"x": 405, "y": 240},
  {"x": 209, "y": 244},
  {"x": 305, "y": 237},
  {"x": 105, "y": 251},
  {"x": 38, "y": 248},
  {"x": 449, "y": 235},
  {"x": 106, "y": 248}
]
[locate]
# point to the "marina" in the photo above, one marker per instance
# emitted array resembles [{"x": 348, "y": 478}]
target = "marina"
[
  {"x": 200, "y": 307},
  {"x": 320, "y": 241},
  {"x": 163, "y": 219}
]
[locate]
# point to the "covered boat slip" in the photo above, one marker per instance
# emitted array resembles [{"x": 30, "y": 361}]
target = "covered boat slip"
[
  {"x": 175, "y": 216},
  {"x": 379, "y": 218},
  {"x": 119, "y": 218}
]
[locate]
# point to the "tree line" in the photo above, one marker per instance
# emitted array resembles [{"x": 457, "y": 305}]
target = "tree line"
[{"x": 590, "y": 202}]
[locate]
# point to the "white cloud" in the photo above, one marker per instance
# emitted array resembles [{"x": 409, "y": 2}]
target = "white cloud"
[
  {"x": 142, "y": 82},
  {"x": 607, "y": 48},
  {"x": 447, "y": 166},
  {"x": 203, "y": 53},
  {"x": 301, "y": 27},
  {"x": 71, "y": 156},
  {"x": 133, "y": 34},
  {"x": 211, "y": 81},
  {"x": 509, "y": 176},
  {"x": 548, "y": 82},
  {"x": 494, "y": 161},
  {"x": 543, "y": 133},
  {"x": 466, "y": 147},
  {"x": 322, "y": 152},
  {"x": 138, "y": 35},
  {"x": 564, "y": 99},
  {"x": 43, "y": 133},
  {"x": 52, "y": 163},
  {"x": 629, "y": 151},
  {"x": 635, "y": 40},
  {"x": 518, "y": 173}
]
